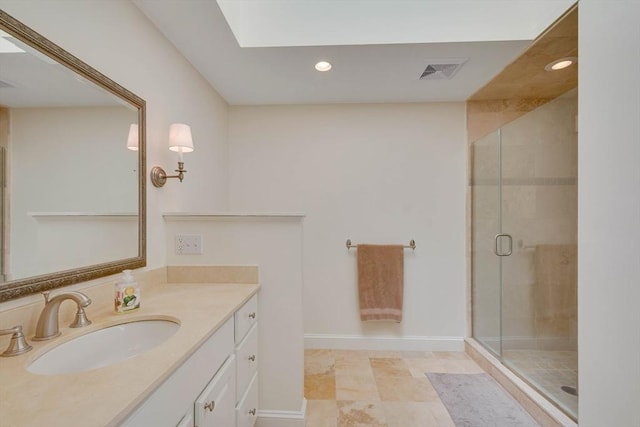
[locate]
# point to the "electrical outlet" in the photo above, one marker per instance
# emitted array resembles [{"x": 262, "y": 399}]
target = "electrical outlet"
[{"x": 188, "y": 244}]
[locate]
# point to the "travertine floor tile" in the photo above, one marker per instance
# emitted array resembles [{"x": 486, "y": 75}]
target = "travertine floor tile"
[
  {"x": 322, "y": 413},
  {"x": 406, "y": 414},
  {"x": 390, "y": 367},
  {"x": 378, "y": 389},
  {"x": 319, "y": 365},
  {"x": 356, "y": 387},
  {"x": 360, "y": 414},
  {"x": 351, "y": 354},
  {"x": 344, "y": 366},
  {"x": 385, "y": 354},
  {"x": 320, "y": 387},
  {"x": 440, "y": 413},
  {"x": 405, "y": 389},
  {"x": 418, "y": 367},
  {"x": 451, "y": 355}
]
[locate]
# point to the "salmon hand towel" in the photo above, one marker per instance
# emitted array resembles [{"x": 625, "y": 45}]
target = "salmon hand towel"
[{"x": 380, "y": 282}]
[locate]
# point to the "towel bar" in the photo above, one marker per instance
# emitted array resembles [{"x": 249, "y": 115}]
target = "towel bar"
[{"x": 412, "y": 245}]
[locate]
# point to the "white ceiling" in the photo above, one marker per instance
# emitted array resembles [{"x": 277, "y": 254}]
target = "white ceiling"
[{"x": 378, "y": 48}]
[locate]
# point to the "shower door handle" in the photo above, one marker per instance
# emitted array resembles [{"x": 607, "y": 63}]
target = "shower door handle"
[{"x": 495, "y": 246}]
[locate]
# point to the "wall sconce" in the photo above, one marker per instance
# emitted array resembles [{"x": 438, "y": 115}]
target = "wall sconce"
[
  {"x": 180, "y": 140},
  {"x": 132, "y": 140}
]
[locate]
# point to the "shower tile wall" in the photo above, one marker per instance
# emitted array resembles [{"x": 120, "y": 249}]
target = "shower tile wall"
[{"x": 484, "y": 117}]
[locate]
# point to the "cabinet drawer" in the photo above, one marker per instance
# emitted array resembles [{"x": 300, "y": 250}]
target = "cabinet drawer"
[
  {"x": 245, "y": 317},
  {"x": 246, "y": 361},
  {"x": 215, "y": 405},
  {"x": 246, "y": 411}
]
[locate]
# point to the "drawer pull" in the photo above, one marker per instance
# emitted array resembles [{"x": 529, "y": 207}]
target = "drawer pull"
[
  {"x": 252, "y": 358},
  {"x": 252, "y": 315},
  {"x": 252, "y": 412},
  {"x": 210, "y": 406}
]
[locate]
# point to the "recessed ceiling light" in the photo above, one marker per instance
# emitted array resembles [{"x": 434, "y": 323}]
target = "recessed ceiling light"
[
  {"x": 323, "y": 66},
  {"x": 561, "y": 63}
]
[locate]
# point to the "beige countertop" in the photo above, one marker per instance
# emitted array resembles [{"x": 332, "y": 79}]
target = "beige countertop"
[{"x": 106, "y": 396}]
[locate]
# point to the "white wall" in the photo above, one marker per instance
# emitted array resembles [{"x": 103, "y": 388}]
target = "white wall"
[
  {"x": 274, "y": 244},
  {"x": 116, "y": 39},
  {"x": 609, "y": 213},
  {"x": 372, "y": 173}
]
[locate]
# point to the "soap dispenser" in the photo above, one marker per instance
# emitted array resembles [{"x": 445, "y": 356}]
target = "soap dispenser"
[{"x": 127, "y": 293}]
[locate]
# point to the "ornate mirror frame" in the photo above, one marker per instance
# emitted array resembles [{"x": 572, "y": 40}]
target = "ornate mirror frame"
[{"x": 22, "y": 287}]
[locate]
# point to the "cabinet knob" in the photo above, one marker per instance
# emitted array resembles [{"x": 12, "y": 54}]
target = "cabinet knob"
[
  {"x": 252, "y": 315},
  {"x": 252, "y": 358},
  {"x": 210, "y": 406},
  {"x": 252, "y": 411}
]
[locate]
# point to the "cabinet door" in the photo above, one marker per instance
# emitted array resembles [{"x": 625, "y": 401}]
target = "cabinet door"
[
  {"x": 246, "y": 412},
  {"x": 246, "y": 361},
  {"x": 215, "y": 405}
]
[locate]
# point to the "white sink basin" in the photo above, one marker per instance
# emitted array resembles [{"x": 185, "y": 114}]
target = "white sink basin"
[{"x": 104, "y": 347}]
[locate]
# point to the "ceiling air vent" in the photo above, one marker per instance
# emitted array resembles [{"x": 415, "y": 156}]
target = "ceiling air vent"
[{"x": 443, "y": 69}]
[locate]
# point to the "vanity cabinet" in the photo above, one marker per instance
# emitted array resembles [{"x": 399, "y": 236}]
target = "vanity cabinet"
[
  {"x": 246, "y": 340},
  {"x": 215, "y": 405},
  {"x": 216, "y": 386}
]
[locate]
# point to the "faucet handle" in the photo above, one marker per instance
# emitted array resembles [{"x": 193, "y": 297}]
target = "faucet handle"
[
  {"x": 18, "y": 343},
  {"x": 81, "y": 319}
]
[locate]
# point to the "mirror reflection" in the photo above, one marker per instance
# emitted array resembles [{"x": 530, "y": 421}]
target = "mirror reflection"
[{"x": 70, "y": 176}]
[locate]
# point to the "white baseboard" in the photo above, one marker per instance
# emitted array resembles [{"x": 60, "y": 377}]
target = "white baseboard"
[
  {"x": 361, "y": 342},
  {"x": 282, "y": 418}
]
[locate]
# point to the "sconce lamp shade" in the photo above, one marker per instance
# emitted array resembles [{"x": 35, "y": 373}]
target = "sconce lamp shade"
[
  {"x": 180, "y": 139},
  {"x": 132, "y": 140}
]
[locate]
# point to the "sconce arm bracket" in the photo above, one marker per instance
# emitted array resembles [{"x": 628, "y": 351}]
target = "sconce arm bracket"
[{"x": 159, "y": 176}]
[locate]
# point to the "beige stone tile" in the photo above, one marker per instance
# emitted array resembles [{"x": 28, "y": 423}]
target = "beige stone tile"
[
  {"x": 352, "y": 366},
  {"x": 320, "y": 387},
  {"x": 322, "y": 413},
  {"x": 418, "y": 367},
  {"x": 440, "y": 414},
  {"x": 416, "y": 354},
  {"x": 351, "y": 354},
  {"x": 407, "y": 389},
  {"x": 461, "y": 367},
  {"x": 409, "y": 414},
  {"x": 320, "y": 363},
  {"x": 451, "y": 355},
  {"x": 360, "y": 414},
  {"x": 381, "y": 354},
  {"x": 389, "y": 367},
  {"x": 356, "y": 387}
]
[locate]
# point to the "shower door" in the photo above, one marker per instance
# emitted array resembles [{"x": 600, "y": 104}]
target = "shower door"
[
  {"x": 524, "y": 248},
  {"x": 486, "y": 224},
  {"x": 539, "y": 279}
]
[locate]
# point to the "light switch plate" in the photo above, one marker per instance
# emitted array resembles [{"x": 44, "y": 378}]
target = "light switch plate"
[{"x": 188, "y": 244}]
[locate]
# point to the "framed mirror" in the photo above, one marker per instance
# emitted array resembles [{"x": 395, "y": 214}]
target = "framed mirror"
[{"x": 72, "y": 168}]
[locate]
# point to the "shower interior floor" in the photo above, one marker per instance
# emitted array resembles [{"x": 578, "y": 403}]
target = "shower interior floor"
[{"x": 548, "y": 371}]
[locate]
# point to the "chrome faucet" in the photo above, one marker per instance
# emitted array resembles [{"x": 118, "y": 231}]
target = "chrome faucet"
[{"x": 47, "y": 327}]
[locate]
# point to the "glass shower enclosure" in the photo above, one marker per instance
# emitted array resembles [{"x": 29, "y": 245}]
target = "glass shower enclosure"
[{"x": 524, "y": 248}]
